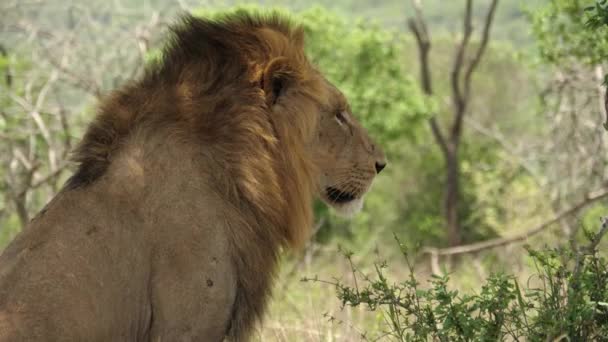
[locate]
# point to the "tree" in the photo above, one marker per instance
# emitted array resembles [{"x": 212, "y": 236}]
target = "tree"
[{"x": 449, "y": 140}]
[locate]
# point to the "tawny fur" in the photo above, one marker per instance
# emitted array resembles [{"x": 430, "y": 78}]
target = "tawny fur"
[{"x": 190, "y": 181}]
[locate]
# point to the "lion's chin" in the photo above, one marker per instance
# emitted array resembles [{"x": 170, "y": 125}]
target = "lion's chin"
[
  {"x": 344, "y": 203},
  {"x": 347, "y": 209}
]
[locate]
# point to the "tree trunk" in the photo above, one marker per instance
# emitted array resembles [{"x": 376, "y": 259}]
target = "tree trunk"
[{"x": 452, "y": 195}]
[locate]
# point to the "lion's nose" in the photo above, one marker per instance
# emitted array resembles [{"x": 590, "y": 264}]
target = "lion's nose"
[{"x": 380, "y": 167}]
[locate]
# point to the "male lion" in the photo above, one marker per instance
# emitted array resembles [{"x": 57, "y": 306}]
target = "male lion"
[{"x": 189, "y": 182}]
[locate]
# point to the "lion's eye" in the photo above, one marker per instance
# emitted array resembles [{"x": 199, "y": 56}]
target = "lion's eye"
[{"x": 341, "y": 118}]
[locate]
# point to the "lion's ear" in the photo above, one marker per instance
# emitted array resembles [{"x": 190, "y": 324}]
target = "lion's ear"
[{"x": 275, "y": 79}]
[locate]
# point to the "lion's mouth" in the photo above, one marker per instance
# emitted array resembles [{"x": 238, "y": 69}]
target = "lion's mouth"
[{"x": 338, "y": 196}]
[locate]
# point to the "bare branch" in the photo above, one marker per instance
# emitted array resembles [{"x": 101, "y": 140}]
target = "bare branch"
[
  {"x": 27, "y": 164},
  {"x": 89, "y": 85},
  {"x": 419, "y": 29},
  {"x": 485, "y": 37},
  {"x": 439, "y": 137},
  {"x": 48, "y": 178},
  {"x": 492, "y": 243},
  {"x": 507, "y": 147},
  {"x": 18, "y": 197},
  {"x": 461, "y": 97},
  {"x": 457, "y": 96},
  {"x": 424, "y": 45},
  {"x": 35, "y": 114},
  {"x": 65, "y": 126}
]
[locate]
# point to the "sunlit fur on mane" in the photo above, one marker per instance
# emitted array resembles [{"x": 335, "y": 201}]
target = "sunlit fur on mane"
[{"x": 207, "y": 88}]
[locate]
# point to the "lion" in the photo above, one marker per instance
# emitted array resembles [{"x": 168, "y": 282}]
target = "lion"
[{"x": 189, "y": 183}]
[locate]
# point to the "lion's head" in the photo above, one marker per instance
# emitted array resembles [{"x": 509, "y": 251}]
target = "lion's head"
[
  {"x": 341, "y": 157},
  {"x": 347, "y": 158}
]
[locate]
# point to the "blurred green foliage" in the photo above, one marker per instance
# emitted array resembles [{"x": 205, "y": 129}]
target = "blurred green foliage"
[
  {"x": 598, "y": 14},
  {"x": 366, "y": 61},
  {"x": 560, "y": 28}
]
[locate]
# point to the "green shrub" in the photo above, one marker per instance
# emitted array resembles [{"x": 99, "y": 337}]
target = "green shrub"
[{"x": 568, "y": 299}]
